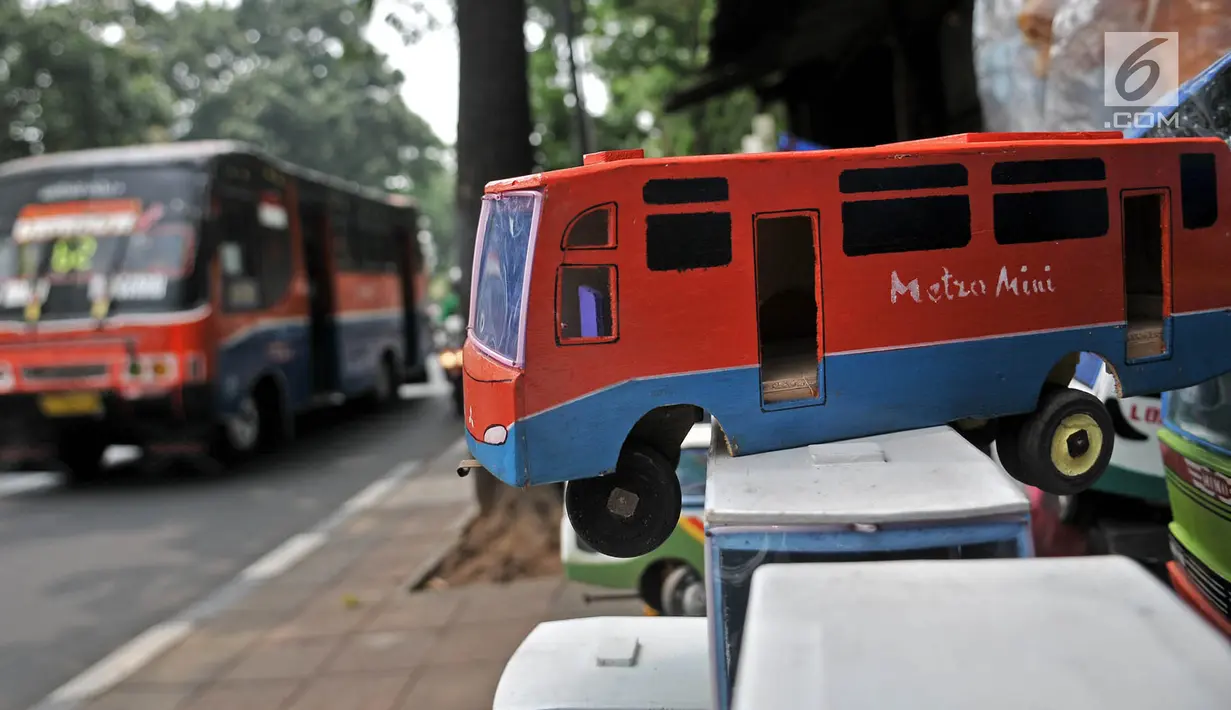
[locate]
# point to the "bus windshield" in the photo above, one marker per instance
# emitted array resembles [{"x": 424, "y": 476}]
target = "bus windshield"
[
  {"x": 73, "y": 238},
  {"x": 1203, "y": 412},
  {"x": 507, "y": 230}
]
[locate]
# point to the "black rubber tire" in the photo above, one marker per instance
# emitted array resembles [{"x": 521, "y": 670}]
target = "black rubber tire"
[
  {"x": 1035, "y": 441},
  {"x": 675, "y": 587},
  {"x": 649, "y": 476},
  {"x": 225, "y": 451},
  {"x": 385, "y": 389},
  {"x": 981, "y": 437},
  {"x": 1077, "y": 510},
  {"x": 1008, "y": 436},
  {"x": 83, "y": 460}
]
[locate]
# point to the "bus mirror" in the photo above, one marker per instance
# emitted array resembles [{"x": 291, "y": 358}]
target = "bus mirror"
[{"x": 232, "y": 259}]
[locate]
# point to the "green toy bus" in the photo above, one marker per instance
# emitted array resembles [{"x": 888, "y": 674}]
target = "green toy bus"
[{"x": 1196, "y": 449}]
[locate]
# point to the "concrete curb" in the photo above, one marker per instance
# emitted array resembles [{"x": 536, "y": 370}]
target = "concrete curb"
[
  {"x": 423, "y": 571},
  {"x": 131, "y": 657}
]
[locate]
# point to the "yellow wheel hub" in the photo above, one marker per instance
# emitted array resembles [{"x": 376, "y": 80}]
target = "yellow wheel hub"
[{"x": 1076, "y": 445}]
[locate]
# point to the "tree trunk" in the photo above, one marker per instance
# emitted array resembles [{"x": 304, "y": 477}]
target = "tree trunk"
[{"x": 493, "y": 131}]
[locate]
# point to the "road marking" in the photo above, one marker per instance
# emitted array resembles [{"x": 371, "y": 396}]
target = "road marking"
[
  {"x": 121, "y": 663},
  {"x": 132, "y": 656},
  {"x": 284, "y": 556}
]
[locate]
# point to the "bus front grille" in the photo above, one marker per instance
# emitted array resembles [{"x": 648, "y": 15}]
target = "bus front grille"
[
  {"x": 63, "y": 372},
  {"x": 1212, "y": 586}
]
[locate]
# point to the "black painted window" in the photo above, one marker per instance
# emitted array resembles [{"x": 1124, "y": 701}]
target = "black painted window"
[
  {"x": 592, "y": 229},
  {"x": 683, "y": 191},
  {"x": 679, "y": 242},
  {"x": 1198, "y": 190},
  {"x": 1048, "y": 216},
  {"x": 1034, "y": 172},
  {"x": 904, "y": 225},
  {"x": 915, "y": 177}
]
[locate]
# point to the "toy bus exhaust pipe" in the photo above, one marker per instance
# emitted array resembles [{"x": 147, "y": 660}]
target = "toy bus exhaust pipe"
[{"x": 466, "y": 466}]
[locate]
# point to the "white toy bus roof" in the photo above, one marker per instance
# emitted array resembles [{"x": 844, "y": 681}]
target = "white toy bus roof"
[
  {"x": 610, "y": 663},
  {"x": 1089, "y": 632},
  {"x": 923, "y": 475}
]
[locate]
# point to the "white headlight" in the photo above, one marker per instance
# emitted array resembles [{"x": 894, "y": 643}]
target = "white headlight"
[{"x": 495, "y": 435}]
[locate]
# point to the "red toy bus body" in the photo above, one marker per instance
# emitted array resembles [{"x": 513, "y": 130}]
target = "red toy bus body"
[
  {"x": 165, "y": 295},
  {"x": 810, "y": 297}
]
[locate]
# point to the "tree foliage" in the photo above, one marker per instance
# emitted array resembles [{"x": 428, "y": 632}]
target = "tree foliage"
[
  {"x": 76, "y": 75},
  {"x": 293, "y": 77},
  {"x": 642, "y": 50}
]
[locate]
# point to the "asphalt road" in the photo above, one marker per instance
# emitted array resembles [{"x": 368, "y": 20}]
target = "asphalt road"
[{"x": 82, "y": 571}]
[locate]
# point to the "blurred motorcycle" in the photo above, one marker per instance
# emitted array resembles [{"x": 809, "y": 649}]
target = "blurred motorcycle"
[{"x": 452, "y": 336}]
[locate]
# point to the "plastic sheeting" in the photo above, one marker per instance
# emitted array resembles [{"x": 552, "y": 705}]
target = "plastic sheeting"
[{"x": 1039, "y": 63}]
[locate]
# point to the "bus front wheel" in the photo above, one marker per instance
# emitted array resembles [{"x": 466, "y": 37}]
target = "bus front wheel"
[
  {"x": 630, "y": 512},
  {"x": 1065, "y": 446}
]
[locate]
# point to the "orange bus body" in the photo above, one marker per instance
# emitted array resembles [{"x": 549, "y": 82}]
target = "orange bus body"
[{"x": 167, "y": 379}]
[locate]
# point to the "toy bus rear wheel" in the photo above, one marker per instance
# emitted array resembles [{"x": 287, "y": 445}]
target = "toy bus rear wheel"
[
  {"x": 683, "y": 593},
  {"x": 1065, "y": 446},
  {"x": 1008, "y": 449},
  {"x": 630, "y": 512}
]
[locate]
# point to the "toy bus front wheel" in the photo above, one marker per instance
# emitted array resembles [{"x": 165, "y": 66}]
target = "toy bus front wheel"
[
  {"x": 630, "y": 512},
  {"x": 1063, "y": 447}
]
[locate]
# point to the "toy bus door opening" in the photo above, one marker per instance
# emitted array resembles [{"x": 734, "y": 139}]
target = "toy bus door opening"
[
  {"x": 788, "y": 304},
  {"x": 312, "y": 220},
  {"x": 1146, "y": 226}
]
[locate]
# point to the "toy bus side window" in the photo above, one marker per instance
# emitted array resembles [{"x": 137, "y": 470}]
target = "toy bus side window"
[
  {"x": 592, "y": 229},
  {"x": 1198, "y": 190},
  {"x": 586, "y": 304},
  {"x": 905, "y": 220}
]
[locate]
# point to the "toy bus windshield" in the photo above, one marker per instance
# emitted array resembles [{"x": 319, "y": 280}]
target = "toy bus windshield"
[
  {"x": 501, "y": 272},
  {"x": 1203, "y": 413},
  {"x": 126, "y": 233}
]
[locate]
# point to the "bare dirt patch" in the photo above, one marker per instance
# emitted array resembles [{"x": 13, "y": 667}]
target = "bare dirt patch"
[{"x": 517, "y": 538}]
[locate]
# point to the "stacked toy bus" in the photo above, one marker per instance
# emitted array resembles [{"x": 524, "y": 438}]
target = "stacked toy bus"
[
  {"x": 1196, "y": 448},
  {"x": 192, "y": 298}
]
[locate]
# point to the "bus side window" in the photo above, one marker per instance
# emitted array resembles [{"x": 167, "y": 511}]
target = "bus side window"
[
  {"x": 688, "y": 240},
  {"x": 342, "y": 233},
  {"x": 905, "y": 224},
  {"x": 1047, "y": 214},
  {"x": 592, "y": 229},
  {"x": 586, "y": 304},
  {"x": 1198, "y": 190},
  {"x": 255, "y": 252},
  {"x": 1050, "y": 215}
]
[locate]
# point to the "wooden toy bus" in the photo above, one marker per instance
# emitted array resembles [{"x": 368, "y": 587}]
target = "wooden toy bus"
[
  {"x": 846, "y": 293},
  {"x": 192, "y": 298}
]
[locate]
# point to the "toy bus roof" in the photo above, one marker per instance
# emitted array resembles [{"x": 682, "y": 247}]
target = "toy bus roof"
[
  {"x": 975, "y": 634},
  {"x": 975, "y": 141},
  {"x": 609, "y": 663},
  {"x": 191, "y": 152},
  {"x": 911, "y": 476}
]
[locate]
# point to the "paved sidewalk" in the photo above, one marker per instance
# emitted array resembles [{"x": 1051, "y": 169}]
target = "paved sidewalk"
[{"x": 339, "y": 631}]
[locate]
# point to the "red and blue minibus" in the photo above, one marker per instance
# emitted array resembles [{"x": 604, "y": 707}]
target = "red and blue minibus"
[
  {"x": 192, "y": 298},
  {"x": 805, "y": 297}
]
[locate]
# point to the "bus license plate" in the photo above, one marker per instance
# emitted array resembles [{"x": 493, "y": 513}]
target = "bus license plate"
[{"x": 71, "y": 404}]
